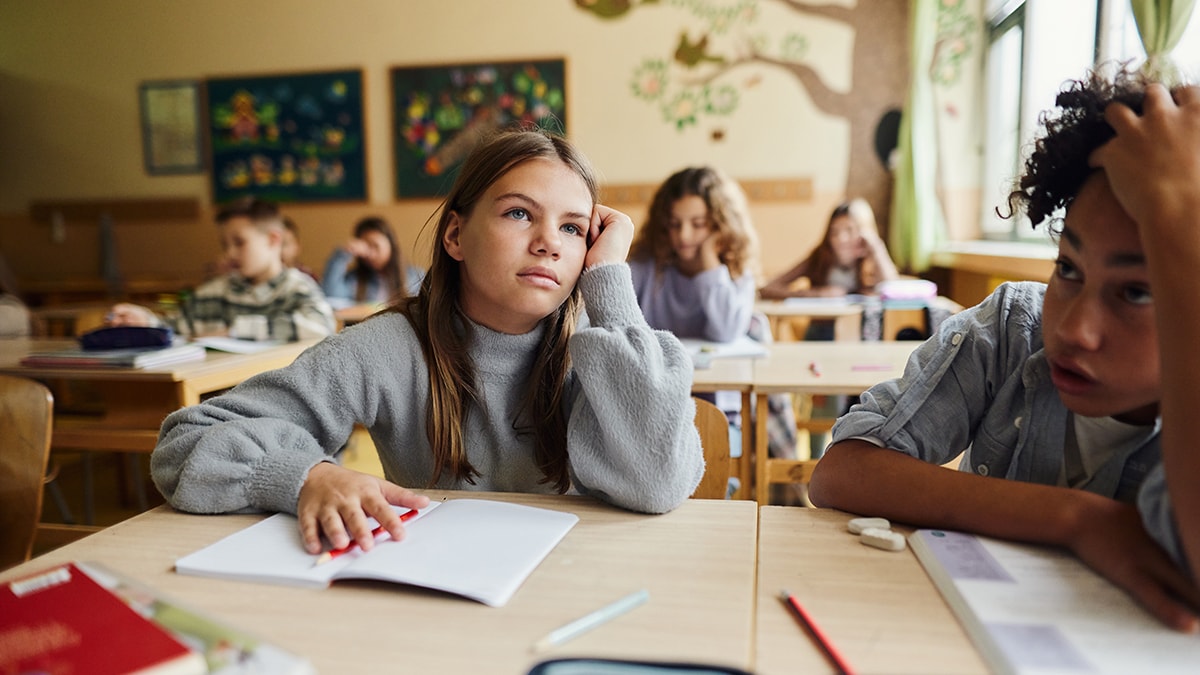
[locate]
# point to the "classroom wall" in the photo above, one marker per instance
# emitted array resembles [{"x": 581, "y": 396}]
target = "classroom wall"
[{"x": 70, "y": 129}]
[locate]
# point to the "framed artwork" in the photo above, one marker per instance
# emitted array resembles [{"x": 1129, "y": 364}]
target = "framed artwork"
[
  {"x": 439, "y": 113},
  {"x": 170, "y": 111},
  {"x": 288, "y": 138}
]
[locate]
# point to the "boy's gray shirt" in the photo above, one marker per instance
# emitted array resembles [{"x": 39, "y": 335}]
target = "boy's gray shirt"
[
  {"x": 631, "y": 437},
  {"x": 982, "y": 384}
]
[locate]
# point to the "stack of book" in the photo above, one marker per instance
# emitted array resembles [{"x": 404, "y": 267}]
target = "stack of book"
[{"x": 132, "y": 357}]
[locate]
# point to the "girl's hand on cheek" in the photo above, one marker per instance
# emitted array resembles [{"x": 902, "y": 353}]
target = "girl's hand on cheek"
[
  {"x": 336, "y": 501},
  {"x": 710, "y": 251},
  {"x": 610, "y": 233}
]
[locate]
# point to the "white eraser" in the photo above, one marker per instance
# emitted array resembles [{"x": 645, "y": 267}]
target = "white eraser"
[
  {"x": 857, "y": 525},
  {"x": 886, "y": 540}
]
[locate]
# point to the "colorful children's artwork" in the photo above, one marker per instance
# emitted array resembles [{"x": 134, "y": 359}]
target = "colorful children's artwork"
[
  {"x": 441, "y": 112},
  {"x": 288, "y": 138}
]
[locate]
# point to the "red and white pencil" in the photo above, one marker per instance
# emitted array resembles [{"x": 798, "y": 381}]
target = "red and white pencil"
[{"x": 375, "y": 533}]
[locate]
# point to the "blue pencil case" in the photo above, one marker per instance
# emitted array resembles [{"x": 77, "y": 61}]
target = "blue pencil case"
[{"x": 127, "y": 337}]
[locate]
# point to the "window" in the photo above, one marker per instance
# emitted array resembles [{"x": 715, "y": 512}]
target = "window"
[
  {"x": 1003, "y": 124},
  {"x": 1118, "y": 39},
  {"x": 1033, "y": 48}
]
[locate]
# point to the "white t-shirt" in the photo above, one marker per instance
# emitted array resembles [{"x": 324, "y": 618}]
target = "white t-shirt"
[{"x": 1098, "y": 445}]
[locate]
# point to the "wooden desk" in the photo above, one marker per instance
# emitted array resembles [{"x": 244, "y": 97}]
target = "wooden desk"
[
  {"x": 841, "y": 368},
  {"x": 348, "y": 316},
  {"x": 846, "y": 317},
  {"x": 134, "y": 400},
  {"x": 733, "y": 374},
  {"x": 697, "y": 562},
  {"x": 144, "y": 290},
  {"x": 878, "y": 607},
  {"x": 142, "y": 396}
]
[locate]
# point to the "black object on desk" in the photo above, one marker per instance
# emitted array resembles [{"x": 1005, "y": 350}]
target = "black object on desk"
[{"x": 124, "y": 337}]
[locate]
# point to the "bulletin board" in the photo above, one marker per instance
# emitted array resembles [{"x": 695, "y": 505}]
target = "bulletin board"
[
  {"x": 296, "y": 137},
  {"x": 440, "y": 113}
]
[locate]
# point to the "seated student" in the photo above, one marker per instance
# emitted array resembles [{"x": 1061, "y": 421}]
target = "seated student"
[
  {"x": 370, "y": 268},
  {"x": 289, "y": 250},
  {"x": 15, "y": 318},
  {"x": 851, "y": 258},
  {"x": 694, "y": 264},
  {"x": 486, "y": 380},
  {"x": 1057, "y": 392},
  {"x": 257, "y": 285}
]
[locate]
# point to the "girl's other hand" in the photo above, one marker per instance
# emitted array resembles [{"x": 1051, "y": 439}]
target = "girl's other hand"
[
  {"x": 610, "y": 234},
  {"x": 126, "y": 314},
  {"x": 336, "y": 501},
  {"x": 358, "y": 248}
]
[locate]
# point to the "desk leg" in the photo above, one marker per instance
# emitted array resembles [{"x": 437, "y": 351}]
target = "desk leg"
[
  {"x": 745, "y": 462},
  {"x": 762, "y": 456},
  {"x": 186, "y": 395},
  {"x": 848, "y": 328}
]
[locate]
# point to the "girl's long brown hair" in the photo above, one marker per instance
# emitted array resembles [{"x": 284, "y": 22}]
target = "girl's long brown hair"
[
  {"x": 822, "y": 259},
  {"x": 445, "y": 332},
  {"x": 727, "y": 209}
]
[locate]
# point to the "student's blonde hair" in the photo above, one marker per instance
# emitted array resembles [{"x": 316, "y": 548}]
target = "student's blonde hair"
[
  {"x": 727, "y": 210},
  {"x": 445, "y": 332}
]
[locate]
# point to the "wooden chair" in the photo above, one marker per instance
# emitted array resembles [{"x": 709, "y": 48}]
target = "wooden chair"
[
  {"x": 714, "y": 437},
  {"x": 26, "y": 420}
]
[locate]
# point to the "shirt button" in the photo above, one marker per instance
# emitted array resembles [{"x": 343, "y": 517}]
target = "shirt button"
[
  {"x": 956, "y": 339},
  {"x": 1017, "y": 423},
  {"x": 982, "y": 470}
]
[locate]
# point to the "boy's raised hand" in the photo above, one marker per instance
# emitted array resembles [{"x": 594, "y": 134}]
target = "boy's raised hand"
[
  {"x": 336, "y": 501},
  {"x": 1153, "y": 163},
  {"x": 610, "y": 233}
]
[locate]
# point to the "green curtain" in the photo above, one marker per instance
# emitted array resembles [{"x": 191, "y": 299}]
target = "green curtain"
[
  {"x": 1160, "y": 24},
  {"x": 917, "y": 223}
]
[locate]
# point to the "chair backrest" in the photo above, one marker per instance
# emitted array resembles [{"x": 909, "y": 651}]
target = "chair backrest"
[
  {"x": 26, "y": 420},
  {"x": 714, "y": 437}
]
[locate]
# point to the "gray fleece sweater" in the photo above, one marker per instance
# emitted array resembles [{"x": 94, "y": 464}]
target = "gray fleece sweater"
[{"x": 631, "y": 437}]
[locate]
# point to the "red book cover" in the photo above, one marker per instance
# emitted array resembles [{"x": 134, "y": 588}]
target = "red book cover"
[{"x": 61, "y": 622}]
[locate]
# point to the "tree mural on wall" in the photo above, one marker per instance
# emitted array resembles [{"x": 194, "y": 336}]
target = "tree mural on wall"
[{"x": 699, "y": 76}]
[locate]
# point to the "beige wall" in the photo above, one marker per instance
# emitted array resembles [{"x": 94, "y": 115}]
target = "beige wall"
[{"x": 69, "y": 125}]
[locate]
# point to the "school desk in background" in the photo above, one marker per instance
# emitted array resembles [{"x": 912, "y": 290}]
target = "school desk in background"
[
  {"x": 827, "y": 368},
  {"x": 131, "y": 401}
]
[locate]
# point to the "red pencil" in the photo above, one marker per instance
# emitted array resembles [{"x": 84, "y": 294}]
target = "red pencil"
[
  {"x": 839, "y": 661},
  {"x": 333, "y": 553}
]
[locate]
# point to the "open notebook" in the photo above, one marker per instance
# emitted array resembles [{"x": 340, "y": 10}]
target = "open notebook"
[
  {"x": 479, "y": 549},
  {"x": 1039, "y": 610}
]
